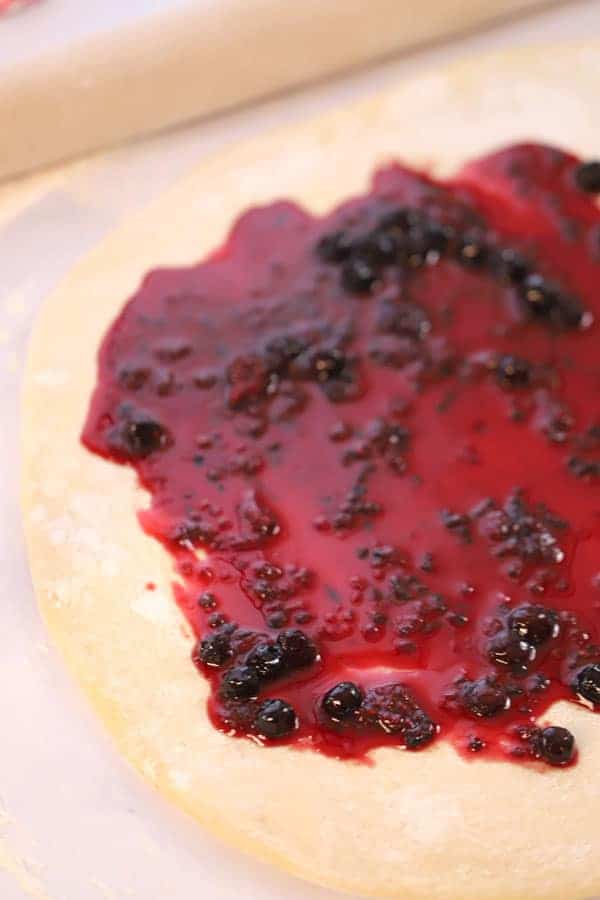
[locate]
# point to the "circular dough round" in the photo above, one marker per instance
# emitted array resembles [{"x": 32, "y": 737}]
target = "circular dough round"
[{"x": 428, "y": 825}]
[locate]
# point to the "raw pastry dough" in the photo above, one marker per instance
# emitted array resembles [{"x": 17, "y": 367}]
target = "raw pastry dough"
[{"x": 427, "y": 825}]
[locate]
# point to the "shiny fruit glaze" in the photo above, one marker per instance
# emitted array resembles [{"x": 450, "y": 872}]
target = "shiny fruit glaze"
[{"x": 371, "y": 443}]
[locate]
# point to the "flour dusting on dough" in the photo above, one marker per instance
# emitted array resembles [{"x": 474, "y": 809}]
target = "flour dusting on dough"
[{"x": 155, "y": 607}]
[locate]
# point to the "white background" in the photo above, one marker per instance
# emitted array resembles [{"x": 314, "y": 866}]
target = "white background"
[{"x": 75, "y": 822}]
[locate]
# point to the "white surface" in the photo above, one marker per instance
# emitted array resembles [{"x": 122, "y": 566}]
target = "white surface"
[{"x": 75, "y": 823}]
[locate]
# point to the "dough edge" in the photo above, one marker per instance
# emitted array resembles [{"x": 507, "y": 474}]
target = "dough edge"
[{"x": 413, "y": 825}]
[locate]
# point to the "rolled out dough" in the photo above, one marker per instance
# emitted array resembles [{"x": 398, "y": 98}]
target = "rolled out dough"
[{"x": 427, "y": 825}]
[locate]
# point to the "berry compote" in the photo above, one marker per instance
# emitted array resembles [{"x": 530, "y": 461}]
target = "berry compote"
[{"x": 371, "y": 444}]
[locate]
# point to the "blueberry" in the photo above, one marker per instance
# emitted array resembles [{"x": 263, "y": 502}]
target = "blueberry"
[
  {"x": 328, "y": 364},
  {"x": 275, "y": 719},
  {"x": 426, "y": 238},
  {"x": 534, "y": 624},
  {"x": 587, "y": 684},
  {"x": 472, "y": 250},
  {"x": 358, "y": 275},
  {"x": 556, "y": 745},
  {"x": 511, "y": 265},
  {"x": 342, "y": 701},
  {"x": 510, "y": 651},
  {"x": 240, "y": 683},
  {"x": 513, "y": 371},
  {"x": 214, "y": 649},
  {"x": 207, "y": 600},
  {"x": 437, "y": 237},
  {"x": 379, "y": 248},
  {"x": 143, "y": 436},
  {"x": 540, "y": 296},
  {"x": 334, "y": 247},
  {"x": 266, "y": 660},
  {"x": 402, "y": 218},
  {"x": 587, "y": 177},
  {"x": 297, "y": 649},
  {"x": 484, "y": 698}
]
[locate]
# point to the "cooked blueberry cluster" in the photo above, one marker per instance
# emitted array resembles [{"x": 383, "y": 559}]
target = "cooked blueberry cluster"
[
  {"x": 252, "y": 662},
  {"x": 515, "y": 530},
  {"x": 527, "y": 630},
  {"x": 408, "y": 239}
]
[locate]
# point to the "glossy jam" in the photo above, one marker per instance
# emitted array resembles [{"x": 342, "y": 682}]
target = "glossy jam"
[{"x": 422, "y": 464}]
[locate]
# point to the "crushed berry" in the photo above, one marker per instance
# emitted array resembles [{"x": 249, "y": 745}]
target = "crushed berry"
[
  {"x": 485, "y": 697},
  {"x": 392, "y": 708},
  {"x": 297, "y": 649}
]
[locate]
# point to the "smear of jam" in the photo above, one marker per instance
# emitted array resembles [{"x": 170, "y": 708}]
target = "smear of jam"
[{"x": 371, "y": 443}]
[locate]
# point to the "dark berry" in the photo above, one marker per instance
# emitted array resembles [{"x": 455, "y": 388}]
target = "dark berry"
[
  {"x": 401, "y": 219},
  {"x": 513, "y": 371},
  {"x": 379, "y": 248},
  {"x": 328, "y": 364},
  {"x": 437, "y": 237},
  {"x": 240, "y": 683},
  {"x": 484, "y": 698},
  {"x": 214, "y": 649},
  {"x": 207, "y": 600},
  {"x": 425, "y": 239},
  {"x": 334, "y": 247},
  {"x": 540, "y": 296},
  {"x": 534, "y": 624},
  {"x": 556, "y": 745},
  {"x": 510, "y": 651},
  {"x": 342, "y": 701},
  {"x": 587, "y": 177},
  {"x": 358, "y": 275},
  {"x": 142, "y": 437},
  {"x": 587, "y": 684},
  {"x": 297, "y": 649},
  {"x": 275, "y": 719},
  {"x": 512, "y": 266},
  {"x": 267, "y": 661},
  {"x": 472, "y": 250}
]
